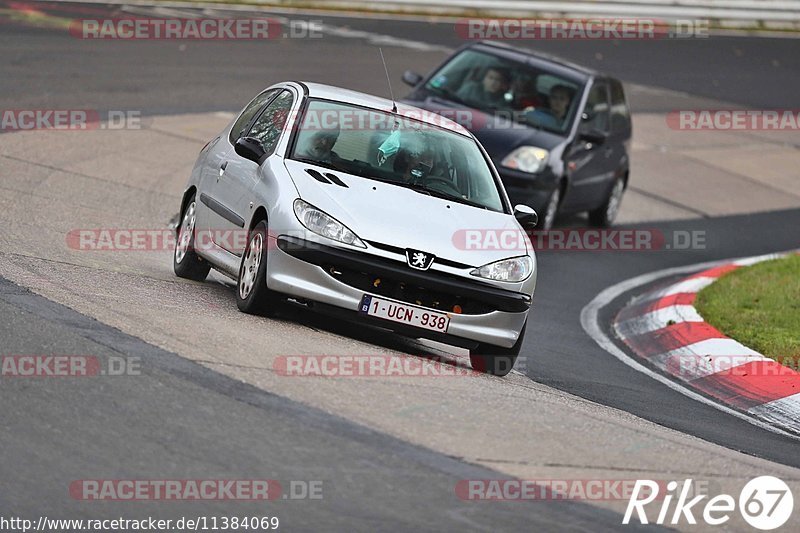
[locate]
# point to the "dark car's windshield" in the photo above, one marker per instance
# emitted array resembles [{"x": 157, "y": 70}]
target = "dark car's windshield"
[
  {"x": 396, "y": 149},
  {"x": 508, "y": 89}
]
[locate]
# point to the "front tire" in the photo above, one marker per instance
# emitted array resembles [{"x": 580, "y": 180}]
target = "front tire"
[
  {"x": 605, "y": 215},
  {"x": 551, "y": 210},
  {"x": 185, "y": 261},
  {"x": 252, "y": 295},
  {"x": 495, "y": 360}
]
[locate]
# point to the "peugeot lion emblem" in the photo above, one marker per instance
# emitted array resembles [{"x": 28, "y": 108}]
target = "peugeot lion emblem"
[{"x": 419, "y": 260}]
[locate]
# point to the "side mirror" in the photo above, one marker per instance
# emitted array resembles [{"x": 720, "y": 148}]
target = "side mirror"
[
  {"x": 526, "y": 216},
  {"x": 251, "y": 149},
  {"x": 411, "y": 78},
  {"x": 594, "y": 136}
]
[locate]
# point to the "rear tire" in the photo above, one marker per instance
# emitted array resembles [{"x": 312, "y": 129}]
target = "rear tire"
[
  {"x": 185, "y": 261},
  {"x": 605, "y": 215},
  {"x": 495, "y": 360},
  {"x": 252, "y": 295}
]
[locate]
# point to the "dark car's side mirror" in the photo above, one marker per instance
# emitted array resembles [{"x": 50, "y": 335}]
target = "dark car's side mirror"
[
  {"x": 411, "y": 78},
  {"x": 526, "y": 216},
  {"x": 250, "y": 148},
  {"x": 594, "y": 136}
]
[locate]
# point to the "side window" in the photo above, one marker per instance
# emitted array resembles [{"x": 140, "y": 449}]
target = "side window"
[
  {"x": 268, "y": 127},
  {"x": 620, "y": 114},
  {"x": 595, "y": 114},
  {"x": 249, "y": 112}
]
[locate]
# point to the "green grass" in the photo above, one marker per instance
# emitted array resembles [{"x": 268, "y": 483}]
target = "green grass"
[{"x": 758, "y": 306}]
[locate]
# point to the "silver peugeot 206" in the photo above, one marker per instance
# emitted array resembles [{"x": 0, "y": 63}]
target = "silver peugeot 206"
[{"x": 356, "y": 206}]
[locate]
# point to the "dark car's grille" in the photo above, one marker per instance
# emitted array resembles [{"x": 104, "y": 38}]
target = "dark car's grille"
[{"x": 408, "y": 292}]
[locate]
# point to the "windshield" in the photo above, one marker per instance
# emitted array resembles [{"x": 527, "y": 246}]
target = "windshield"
[
  {"x": 396, "y": 149},
  {"x": 508, "y": 89}
]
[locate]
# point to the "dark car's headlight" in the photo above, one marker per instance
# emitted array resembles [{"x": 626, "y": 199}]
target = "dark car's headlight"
[
  {"x": 515, "y": 269},
  {"x": 323, "y": 224},
  {"x": 530, "y": 159}
]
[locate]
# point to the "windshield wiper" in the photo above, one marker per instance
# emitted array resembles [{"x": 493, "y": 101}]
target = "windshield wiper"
[
  {"x": 443, "y": 195},
  {"x": 522, "y": 117},
  {"x": 450, "y": 95},
  {"x": 325, "y": 164}
]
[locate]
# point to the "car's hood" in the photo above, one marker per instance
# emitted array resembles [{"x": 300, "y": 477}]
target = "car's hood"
[
  {"x": 499, "y": 136},
  {"x": 396, "y": 216}
]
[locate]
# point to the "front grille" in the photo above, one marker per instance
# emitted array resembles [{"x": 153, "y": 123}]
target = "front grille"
[
  {"x": 402, "y": 251},
  {"x": 408, "y": 292}
]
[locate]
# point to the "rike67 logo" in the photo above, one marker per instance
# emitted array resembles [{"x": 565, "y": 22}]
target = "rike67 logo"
[{"x": 765, "y": 503}]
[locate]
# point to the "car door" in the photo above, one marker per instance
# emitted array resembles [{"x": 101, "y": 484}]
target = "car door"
[
  {"x": 229, "y": 195},
  {"x": 218, "y": 151},
  {"x": 590, "y": 163},
  {"x": 619, "y": 139}
]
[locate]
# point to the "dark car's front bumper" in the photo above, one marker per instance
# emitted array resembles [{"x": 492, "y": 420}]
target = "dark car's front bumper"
[{"x": 533, "y": 190}]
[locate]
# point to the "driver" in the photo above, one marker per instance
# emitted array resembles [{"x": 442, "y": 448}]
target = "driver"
[
  {"x": 489, "y": 92},
  {"x": 415, "y": 164}
]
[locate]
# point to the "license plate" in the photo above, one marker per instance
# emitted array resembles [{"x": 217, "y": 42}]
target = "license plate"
[{"x": 404, "y": 313}]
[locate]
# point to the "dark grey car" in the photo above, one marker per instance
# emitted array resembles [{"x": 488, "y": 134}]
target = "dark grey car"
[{"x": 558, "y": 133}]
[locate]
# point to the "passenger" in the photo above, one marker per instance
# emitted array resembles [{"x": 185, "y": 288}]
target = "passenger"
[
  {"x": 525, "y": 93},
  {"x": 319, "y": 146}
]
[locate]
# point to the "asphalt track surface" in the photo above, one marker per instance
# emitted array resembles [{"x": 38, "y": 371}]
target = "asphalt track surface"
[
  {"x": 182, "y": 416},
  {"x": 182, "y": 421}
]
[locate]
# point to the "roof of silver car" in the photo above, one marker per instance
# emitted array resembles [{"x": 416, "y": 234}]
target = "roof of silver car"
[{"x": 329, "y": 92}]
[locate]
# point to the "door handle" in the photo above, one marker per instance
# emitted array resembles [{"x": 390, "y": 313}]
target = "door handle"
[{"x": 222, "y": 168}]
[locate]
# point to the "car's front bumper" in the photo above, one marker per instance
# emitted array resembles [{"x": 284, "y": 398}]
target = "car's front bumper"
[
  {"x": 297, "y": 267},
  {"x": 527, "y": 189}
]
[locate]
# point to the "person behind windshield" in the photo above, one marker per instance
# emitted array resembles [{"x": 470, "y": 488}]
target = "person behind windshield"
[
  {"x": 415, "y": 157},
  {"x": 559, "y": 99},
  {"x": 489, "y": 92},
  {"x": 415, "y": 165},
  {"x": 525, "y": 94},
  {"x": 319, "y": 146}
]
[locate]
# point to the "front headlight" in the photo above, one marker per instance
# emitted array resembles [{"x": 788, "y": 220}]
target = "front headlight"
[
  {"x": 323, "y": 224},
  {"x": 514, "y": 269},
  {"x": 528, "y": 159}
]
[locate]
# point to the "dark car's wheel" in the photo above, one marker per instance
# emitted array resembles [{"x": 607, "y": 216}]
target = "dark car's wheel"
[
  {"x": 551, "y": 210},
  {"x": 605, "y": 215},
  {"x": 185, "y": 261},
  {"x": 252, "y": 294},
  {"x": 495, "y": 360}
]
